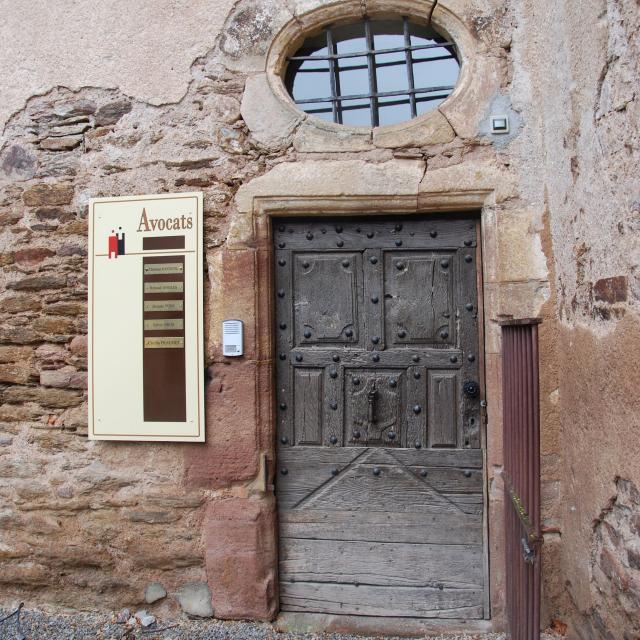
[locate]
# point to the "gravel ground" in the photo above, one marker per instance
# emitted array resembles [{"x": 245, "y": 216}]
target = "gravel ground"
[{"x": 39, "y": 626}]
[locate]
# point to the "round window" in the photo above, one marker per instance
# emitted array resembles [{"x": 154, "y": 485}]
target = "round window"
[{"x": 372, "y": 72}]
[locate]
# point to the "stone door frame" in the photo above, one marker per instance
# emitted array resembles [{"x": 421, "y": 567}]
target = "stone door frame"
[{"x": 261, "y": 200}]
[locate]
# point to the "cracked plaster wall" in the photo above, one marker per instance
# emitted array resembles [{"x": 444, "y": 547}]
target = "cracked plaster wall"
[
  {"x": 560, "y": 233},
  {"x": 582, "y": 62},
  {"x": 144, "y": 48}
]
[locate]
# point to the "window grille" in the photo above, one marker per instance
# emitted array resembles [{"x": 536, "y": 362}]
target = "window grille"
[{"x": 375, "y": 72}]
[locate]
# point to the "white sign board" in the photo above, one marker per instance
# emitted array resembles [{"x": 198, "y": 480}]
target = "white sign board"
[{"x": 146, "y": 363}]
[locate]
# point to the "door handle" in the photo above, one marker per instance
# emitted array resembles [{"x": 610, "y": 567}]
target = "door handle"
[
  {"x": 371, "y": 399},
  {"x": 471, "y": 388}
]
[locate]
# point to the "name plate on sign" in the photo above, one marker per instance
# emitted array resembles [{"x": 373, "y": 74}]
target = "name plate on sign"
[
  {"x": 163, "y": 305},
  {"x": 145, "y": 320},
  {"x": 170, "y": 267},
  {"x": 166, "y": 324},
  {"x": 164, "y": 343},
  {"x": 163, "y": 287}
]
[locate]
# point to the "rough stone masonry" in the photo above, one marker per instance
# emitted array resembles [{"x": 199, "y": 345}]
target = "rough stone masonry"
[{"x": 91, "y": 525}]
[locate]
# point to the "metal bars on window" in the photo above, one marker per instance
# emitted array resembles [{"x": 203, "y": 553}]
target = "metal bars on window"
[
  {"x": 334, "y": 78},
  {"x": 373, "y": 80},
  {"x": 409, "y": 59},
  {"x": 332, "y": 62}
]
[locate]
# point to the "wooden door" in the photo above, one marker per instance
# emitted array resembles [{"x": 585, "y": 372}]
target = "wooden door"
[{"x": 380, "y": 471}]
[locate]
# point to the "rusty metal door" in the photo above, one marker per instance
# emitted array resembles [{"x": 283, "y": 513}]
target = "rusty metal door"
[
  {"x": 380, "y": 471},
  {"x": 522, "y": 476}
]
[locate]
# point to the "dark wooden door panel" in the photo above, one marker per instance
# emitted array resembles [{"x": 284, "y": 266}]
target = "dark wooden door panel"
[
  {"x": 375, "y": 481},
  {"x": 418, "y": 295},
  {"x": 308, "y": 394},
  {"x": 374, "y": 399},
  {"x": 426, "y": 234},
  {"x": 348, "y": 472},
  {"x": 321, "y": 316},
  {"x": 442, "y": 388},
  {"x": 380, "y": 475}
]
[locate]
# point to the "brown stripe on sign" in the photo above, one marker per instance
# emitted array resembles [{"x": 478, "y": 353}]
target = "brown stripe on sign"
[
  {"x": 156, "y": 243},
  {"x": 164, "y": 373}
]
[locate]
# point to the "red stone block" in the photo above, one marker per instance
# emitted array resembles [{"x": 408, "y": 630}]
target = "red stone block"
[
  {"x": 33, "y": 256},
  {"x": 264, "y": 304},
  {"x": 611, "y": 290},
  {"x": 239, "y": 285},
  {"x": 265, "y": 407},
  {"x": 230, "y": 453},
  {"x": 240, "y": 556}
]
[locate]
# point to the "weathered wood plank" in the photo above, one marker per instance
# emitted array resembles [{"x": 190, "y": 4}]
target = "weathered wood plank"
[
  {"x": 325, "y": 455},
  {"x": 419, "y": 298},
  {"x": 334, "y": 407},
  {"x": 307, "y": 472},
  {"x": 467, "y": 294},
  {"x": 284, "y": 342},
  {"x": 308, "y": 403},
  {"x": 371, "y": 600},
  {"x": 443, "y": 408},
  {"x": 416, "y": 413},
  {"x": 372, "y": 301},
  {"x": 441, "y": 528},
  {"x": 375, "y": 486},
  {"x": 381, "y": 563},
  {"x": 444, "y": 285},
  {"x": 391, "y": 357},
  {"x": 414, "y": 234},
  {"x": 321, "y": 316},
  {"x": 460, "y": 458}
]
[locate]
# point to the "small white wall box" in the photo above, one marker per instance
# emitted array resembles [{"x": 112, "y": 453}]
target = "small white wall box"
[
  {"x": 499, "y": 124},
  {"x": 232, "y": 332}
]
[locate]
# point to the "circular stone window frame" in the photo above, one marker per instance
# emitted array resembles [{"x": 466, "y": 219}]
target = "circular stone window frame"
[{"x": 432, "y": 127}]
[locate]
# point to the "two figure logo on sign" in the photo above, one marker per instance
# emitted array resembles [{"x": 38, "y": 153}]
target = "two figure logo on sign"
[{"x": 116, "y": 243}]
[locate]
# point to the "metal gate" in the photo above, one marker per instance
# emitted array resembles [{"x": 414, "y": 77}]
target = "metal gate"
[{"x": 522, "y": 476}]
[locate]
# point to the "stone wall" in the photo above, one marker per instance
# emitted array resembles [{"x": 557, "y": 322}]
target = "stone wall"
[{"x": 91, "y": 524}]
